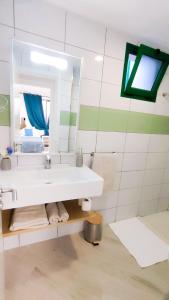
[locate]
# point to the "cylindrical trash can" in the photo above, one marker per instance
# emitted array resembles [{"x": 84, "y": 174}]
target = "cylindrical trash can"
[{"x": 93, "y": 229}]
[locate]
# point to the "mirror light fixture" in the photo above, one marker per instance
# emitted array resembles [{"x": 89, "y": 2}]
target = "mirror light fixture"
[
  {"x": 44, "y": 59},
  {"x": 98, "y": 58}
]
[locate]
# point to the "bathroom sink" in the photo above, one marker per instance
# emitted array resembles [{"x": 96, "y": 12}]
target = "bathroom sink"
[{"x": 44, "y": 186}]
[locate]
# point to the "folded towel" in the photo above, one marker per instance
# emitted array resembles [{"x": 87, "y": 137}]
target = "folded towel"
[
  {"x": 105, "y": 166},
  {"x": 29, "y": 217},
  {"x": 63, "y": 214},
  {"x": 52, "y": 213}
]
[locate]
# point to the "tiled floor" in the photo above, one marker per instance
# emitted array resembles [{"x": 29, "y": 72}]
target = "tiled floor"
[{"x": 69, "y": 268}]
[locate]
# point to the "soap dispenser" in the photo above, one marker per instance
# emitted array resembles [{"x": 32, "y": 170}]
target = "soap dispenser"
[{"x": 79, "y": 158}]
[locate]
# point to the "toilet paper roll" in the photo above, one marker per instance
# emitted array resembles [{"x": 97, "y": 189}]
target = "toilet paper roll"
[{"x": 86, "y": 204}]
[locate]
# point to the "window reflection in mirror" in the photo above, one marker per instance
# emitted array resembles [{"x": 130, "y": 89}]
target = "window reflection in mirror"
[{"x": 45, "y": 93}]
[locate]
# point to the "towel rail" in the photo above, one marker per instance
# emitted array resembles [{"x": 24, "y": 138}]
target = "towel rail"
[{"x": 93, "y": 153}]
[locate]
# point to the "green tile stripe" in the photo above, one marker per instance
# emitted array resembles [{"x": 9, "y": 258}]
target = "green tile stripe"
[
  {"x": 102, "y": 119},
  {"x": 88, "y": 118},
  {"x": 73, "y": 119},
  {"x": 4, "y": 110},
  {"x": 112, "y": 120},
  {"x": 68, "y": 118},
  {"x": 105, "y": 119}
]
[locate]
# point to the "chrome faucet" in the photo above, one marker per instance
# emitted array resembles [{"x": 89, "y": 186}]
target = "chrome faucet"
[{"x": 47, "y": 161}]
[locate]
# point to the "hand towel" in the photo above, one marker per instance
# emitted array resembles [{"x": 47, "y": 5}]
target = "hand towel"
[
  {"x": 52, "y": 213},
  {"x": 29, "y": 217},
  {"x": 105, "y": 166},
  {"x": 63, "y": 214}
]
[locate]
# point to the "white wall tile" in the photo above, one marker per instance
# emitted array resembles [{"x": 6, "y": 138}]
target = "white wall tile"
[
  {"x": 112, "y": 71},
  {"x": 131, "y": 179},
  {"x": 68, "y": 158},
  {"x": 6, "y": 34},
  {"x": 108, "y": 215},
  {"x": 71, "y": 228},
  {"x": 110, "y": 142},
  {"x": 163, "y": 204},
  {"x": 148, "y": 207},
  {"x": 142, "y": 106},
  {"x": 166, "y": 176},
  {"x": 44, "y": 19},
  {"x": 136, "y": 142},
  {"x": 110, "y": 97},
  {"x": 162, "y": 103},
  {"x": 164, "y": 84},
  {"x": 38, "y": 40},
  {"x": 55, "y": 159},
  {"x": 91, "y": 69},
  {"x": 134, "y": 161},
  {"x": 156, "y": 160},
  {"x": 153, "y": 176},
  {"x": 107, "y": 200},
  {"x": 167, "y": 161},
  {"x": 129, "y": 196},
  {"x": 164, "y": 190},
  {"x": 6, "y": 12},
  {"x": 85, "y": 33},
  {"x": 126, "y": 212},
  {"x": 90, "y": 92},
  {"x": 5, "y": 74},
  {"x": 117, "y": 162},
  {"x": 150, "y": 192},
  {"x": 116, "y": 181},
  {"x": 87, "y": 141},
  {"x": 31, "y": 161},
  {"x": 116, "y": 43},
  {"x": 161, "y": 107},
  {"x": 158, "y": 143},
  {"x": 4, "y": 137}
]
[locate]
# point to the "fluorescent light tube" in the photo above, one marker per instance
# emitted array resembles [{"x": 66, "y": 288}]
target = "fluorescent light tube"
[{"x": 43, "y": 59}]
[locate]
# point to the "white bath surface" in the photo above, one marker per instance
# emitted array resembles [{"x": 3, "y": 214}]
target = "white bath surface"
[
  {"x": 146, "y": 247},
  {"x": 159, "y": 224}
]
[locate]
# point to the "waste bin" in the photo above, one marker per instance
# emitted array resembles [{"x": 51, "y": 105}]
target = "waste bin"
[{"x": 93, "y": 229}]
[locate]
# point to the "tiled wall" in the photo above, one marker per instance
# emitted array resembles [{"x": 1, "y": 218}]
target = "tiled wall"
[{"x": 136, "y": 130}]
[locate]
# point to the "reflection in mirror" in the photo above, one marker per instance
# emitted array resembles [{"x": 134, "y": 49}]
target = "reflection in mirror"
[
  {"x": 45, "y": 93},
  {"x": 2, "y": 271}
]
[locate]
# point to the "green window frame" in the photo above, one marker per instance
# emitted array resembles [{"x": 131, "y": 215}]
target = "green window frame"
[{"x": 127, "y": 90}]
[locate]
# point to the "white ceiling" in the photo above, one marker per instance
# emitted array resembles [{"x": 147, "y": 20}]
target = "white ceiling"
[{"x": 146, "y": 19}]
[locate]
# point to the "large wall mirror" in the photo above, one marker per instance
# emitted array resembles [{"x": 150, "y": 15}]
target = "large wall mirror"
[{"x": 45, "y": 99}]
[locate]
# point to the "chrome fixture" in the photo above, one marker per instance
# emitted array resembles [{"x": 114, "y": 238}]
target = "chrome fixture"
[{"x": 47, "y": 161}]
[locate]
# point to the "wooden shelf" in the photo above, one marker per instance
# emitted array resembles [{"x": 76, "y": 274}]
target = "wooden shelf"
[{"x": 73, "y": 209}]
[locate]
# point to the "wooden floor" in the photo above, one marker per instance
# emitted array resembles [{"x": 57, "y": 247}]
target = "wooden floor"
[{"x": 69, "y": 268}]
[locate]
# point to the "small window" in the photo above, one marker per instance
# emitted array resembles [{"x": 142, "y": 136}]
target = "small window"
[{"x": 144, "y": 68}]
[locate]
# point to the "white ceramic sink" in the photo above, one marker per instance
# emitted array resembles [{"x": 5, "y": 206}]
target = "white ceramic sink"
[{"x": 44, "y": 186}]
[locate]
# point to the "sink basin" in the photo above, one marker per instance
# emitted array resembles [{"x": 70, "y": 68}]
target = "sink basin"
[{"x": 44, "y": 186}]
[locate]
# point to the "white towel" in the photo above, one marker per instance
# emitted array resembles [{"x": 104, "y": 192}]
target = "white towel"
[
  {"x": 63, "y": 214},
  {"x": 29, "y": 217},
  {"x": 105, "y": 165},
  {"x": 52, "y": 213}
]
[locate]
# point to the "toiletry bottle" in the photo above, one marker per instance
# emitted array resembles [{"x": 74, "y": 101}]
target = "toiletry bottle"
[{"x": 79, "y": 158}]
